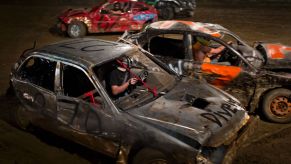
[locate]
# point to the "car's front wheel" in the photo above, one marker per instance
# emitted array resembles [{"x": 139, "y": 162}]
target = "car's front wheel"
[
  {"x": 276, "y": 105},
  {"x": 151, "y": 156},
  {"x": 76, "y": 29},
  {"x": 19, "y": 118}
]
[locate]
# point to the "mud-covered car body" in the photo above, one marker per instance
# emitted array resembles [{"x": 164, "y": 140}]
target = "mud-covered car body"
[
  {"x": 61, "y": 87},
  {"x": 99, "y": 19},
  {"x": 248, "y": 73}
]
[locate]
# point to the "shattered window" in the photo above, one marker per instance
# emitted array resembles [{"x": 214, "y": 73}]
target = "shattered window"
[
  {"x": 39, "y": 71},
  {"x": 123, "y": 6},
  {"x": 75, "y": 82}
]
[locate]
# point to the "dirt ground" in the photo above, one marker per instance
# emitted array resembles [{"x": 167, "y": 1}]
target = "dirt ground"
[{"x": 21, "y": 25}]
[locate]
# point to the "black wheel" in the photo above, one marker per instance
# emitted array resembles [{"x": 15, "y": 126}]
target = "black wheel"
[
  {"x": 18, "y": 117},
  {"x": 151, "y": 156},
  {"x": 167, "y": 13},
  {"x": 276, "y": 105},
  {"x": 76, "y": 29}
]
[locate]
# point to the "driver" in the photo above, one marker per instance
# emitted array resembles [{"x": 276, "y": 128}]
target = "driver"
[
  {"x": 116, "y": 8},
  {"x": 202, "y": 52},
  {"x": 120, "y": 78}
]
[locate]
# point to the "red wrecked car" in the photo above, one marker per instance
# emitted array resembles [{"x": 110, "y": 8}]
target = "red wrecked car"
[{"x": 112, "y": 16}]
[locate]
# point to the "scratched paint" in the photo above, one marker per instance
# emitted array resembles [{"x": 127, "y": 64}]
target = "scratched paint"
[
  {"x": 100, "y": 19},
  {"x": 143, "y": 17}
]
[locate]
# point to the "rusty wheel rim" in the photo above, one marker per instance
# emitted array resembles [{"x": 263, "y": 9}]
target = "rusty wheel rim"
[{"x": 280, "y": 106}]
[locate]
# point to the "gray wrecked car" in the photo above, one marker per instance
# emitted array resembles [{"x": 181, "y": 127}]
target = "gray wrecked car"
[{"x": 165, "y": 118}]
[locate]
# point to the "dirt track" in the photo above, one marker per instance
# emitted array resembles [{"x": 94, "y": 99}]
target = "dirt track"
[{"x": 21, "y": 25}]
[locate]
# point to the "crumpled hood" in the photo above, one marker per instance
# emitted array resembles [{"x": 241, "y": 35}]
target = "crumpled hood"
[{"x": 200, "y": 112}]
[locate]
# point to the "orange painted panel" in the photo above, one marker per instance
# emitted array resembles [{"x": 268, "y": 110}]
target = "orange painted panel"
[
  {"x": 224, "y": 74},
  {"x": 275, "y": 51}
]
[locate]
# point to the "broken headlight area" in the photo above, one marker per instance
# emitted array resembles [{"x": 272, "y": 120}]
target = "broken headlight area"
[{"x": 209, "y": 155}]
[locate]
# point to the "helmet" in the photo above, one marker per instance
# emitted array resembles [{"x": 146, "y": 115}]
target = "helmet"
[
  {"x": 116, "y": 6},
  {"x": 203, "y": 41}
]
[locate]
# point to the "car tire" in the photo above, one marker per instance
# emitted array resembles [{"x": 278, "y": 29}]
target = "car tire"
[
  {"x": 151, "y": 156},
  {"x": 276, "y": 105},
  {"x": 19, "y": 118},
  {"x": 167, "y": 13},
  {"x": 76, "y": 29}
]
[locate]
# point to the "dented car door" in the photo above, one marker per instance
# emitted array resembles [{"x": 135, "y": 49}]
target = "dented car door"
[
  {"x": 82, "y": 111},
  {"x": 34, "y": 85}
]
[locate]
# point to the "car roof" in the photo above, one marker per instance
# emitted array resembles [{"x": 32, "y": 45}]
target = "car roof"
[
  {"x": 85, "y": 52},
  {"x": 179, "y": 25}
]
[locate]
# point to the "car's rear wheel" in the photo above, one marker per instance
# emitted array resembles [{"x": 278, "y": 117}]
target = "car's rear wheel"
[
  {"x": 276, "y": 105},
  {"x": 167, "y": 13},
  {"x": 151, "y": 156},
  {"x": 18, "y": 118},
  {"x": 76, "y": 29}
]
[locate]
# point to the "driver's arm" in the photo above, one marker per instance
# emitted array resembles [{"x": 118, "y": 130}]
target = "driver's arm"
[
  {"x": 217, "y": 50},
  {"x": 117, "y": 89}
]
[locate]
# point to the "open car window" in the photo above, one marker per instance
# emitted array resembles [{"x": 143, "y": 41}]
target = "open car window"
[
  {"x": 78, "y": 85},
  {"x": 124, "y": 7},
  {"x": 214, "y": 52},
  {"x": 253, "y": 56},
  {"x": 167, "y": 45}
]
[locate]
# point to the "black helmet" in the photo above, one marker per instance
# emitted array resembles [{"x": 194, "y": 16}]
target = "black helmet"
[{"x": 117, "y": 5}]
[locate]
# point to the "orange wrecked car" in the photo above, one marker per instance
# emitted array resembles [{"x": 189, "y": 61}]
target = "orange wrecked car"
[{"x": 259, "y": 75}]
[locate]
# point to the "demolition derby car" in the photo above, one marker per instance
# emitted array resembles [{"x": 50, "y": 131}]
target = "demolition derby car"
[
  {"x": 165, "y": 118},
  {"x": 168, "y": 9},
  {"x": 259, "y": 76},
  {"x": 113, "y": 16}
]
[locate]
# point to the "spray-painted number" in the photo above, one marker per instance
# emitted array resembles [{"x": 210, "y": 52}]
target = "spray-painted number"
[{"x": 225, "y": 114}]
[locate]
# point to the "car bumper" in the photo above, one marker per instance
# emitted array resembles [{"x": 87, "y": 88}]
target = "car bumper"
[{"x": 61, "y": 26}]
